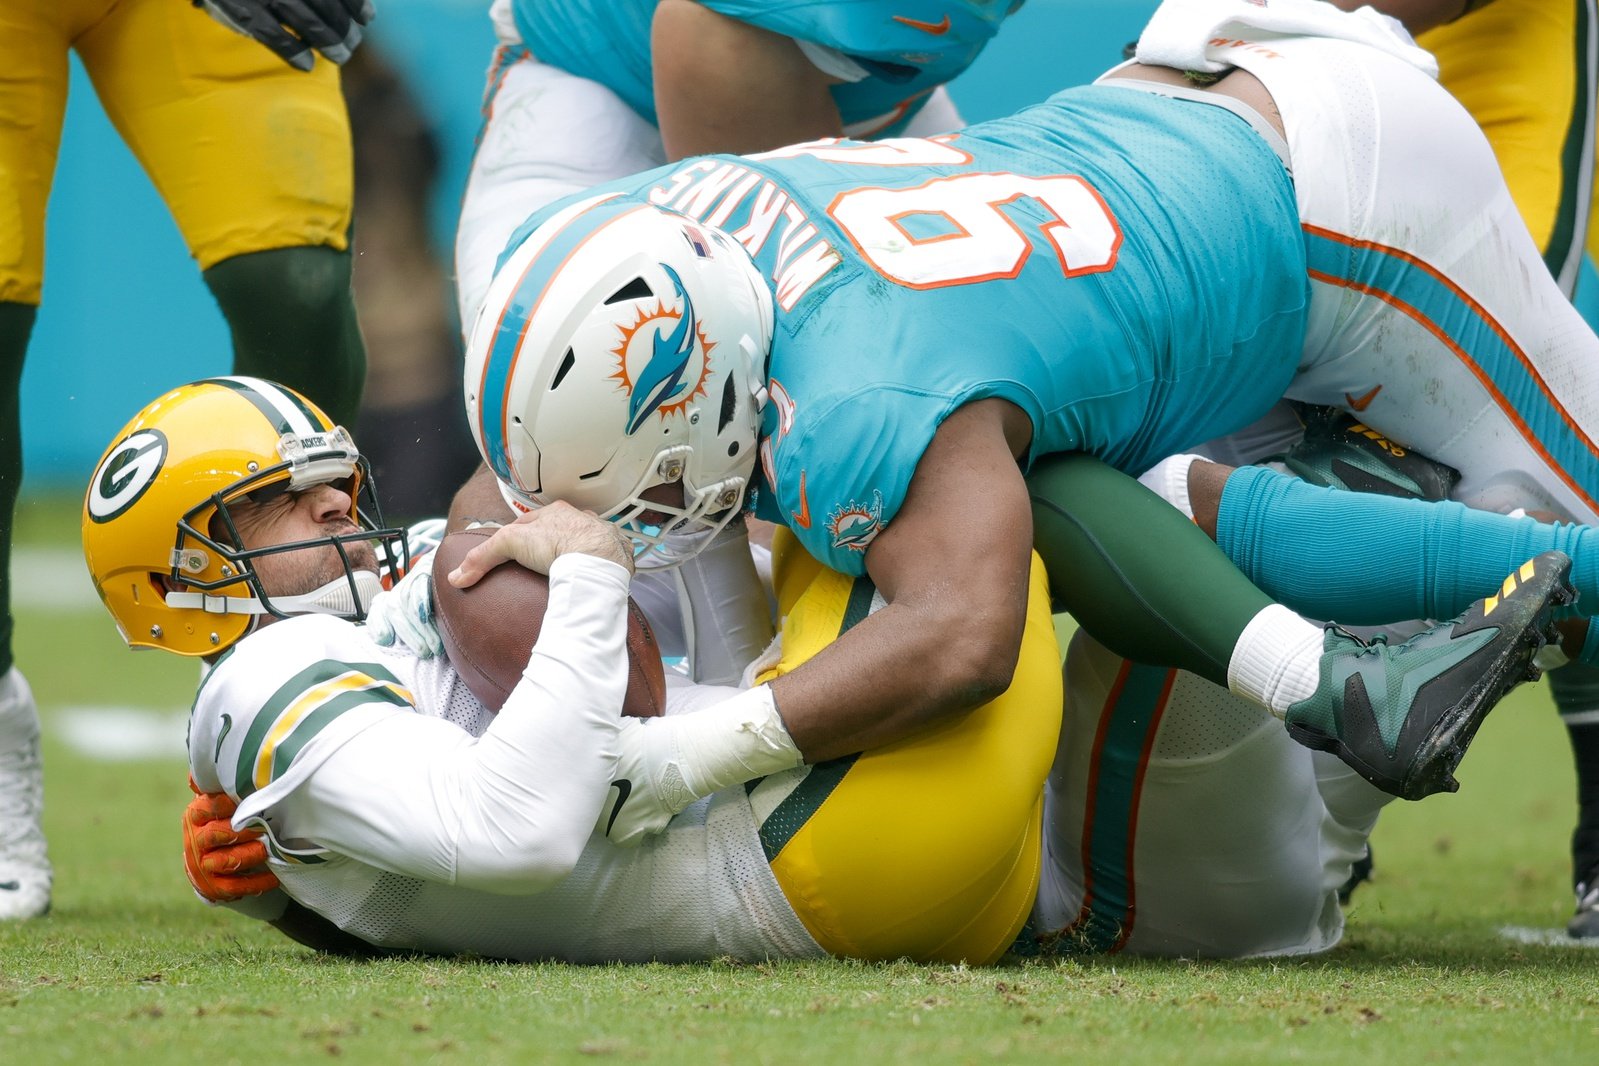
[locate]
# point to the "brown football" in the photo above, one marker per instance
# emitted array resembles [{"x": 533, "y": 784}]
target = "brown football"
[{"x": 489, "y": 629}]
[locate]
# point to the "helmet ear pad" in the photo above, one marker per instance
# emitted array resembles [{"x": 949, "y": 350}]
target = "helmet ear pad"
[{"x": 635, "y": 362}]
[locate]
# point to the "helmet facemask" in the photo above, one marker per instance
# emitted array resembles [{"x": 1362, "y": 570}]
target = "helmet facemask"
[
  {"x": 636, "y": 364},
  {"x": 209, "y": 528}
]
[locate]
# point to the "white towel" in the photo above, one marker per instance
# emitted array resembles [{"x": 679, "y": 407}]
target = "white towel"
[{"x": 1185, "y": 33}]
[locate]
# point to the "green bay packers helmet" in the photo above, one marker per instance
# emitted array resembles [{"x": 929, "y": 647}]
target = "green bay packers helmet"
[{"x": 158, "y": 535}]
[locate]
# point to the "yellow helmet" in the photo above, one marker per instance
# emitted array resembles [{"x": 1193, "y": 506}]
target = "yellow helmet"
[{"x": 161, "y": 545}]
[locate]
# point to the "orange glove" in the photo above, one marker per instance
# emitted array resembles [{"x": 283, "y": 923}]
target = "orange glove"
[{"x": 223, "y": 865}]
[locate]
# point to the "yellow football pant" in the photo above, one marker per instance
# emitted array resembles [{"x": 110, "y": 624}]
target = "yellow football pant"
[
  {"x": 1525, "y": 70},
  {"x": 927, "y": 849},
  {"x": 248, "y": 153}
]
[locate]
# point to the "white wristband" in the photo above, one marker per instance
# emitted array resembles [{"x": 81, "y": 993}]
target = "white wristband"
[{"x": 737, "y": 740}]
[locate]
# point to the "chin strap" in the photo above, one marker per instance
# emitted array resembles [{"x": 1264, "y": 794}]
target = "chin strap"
[{"x": 333, "y": 598}]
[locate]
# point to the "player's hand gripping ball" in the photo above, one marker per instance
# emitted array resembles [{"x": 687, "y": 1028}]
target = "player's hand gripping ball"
[{"x": 489, "y": 628}]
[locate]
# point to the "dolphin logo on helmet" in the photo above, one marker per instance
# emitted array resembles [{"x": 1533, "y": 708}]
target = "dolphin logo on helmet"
[{"x": 662, "y": 377}]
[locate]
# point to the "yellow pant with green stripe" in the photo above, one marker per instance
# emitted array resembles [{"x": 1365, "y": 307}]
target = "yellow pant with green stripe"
[
  {"x": 248, "y": 153},
  {"x": 927, "y": 849},
  {"x": 1526, "y": 71}
]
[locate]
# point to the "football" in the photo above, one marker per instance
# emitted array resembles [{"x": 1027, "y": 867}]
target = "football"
[{"x": 489, "y": 629}]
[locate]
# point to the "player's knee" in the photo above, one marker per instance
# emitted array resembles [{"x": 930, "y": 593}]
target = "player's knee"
[{"x": 288, "y": 284}]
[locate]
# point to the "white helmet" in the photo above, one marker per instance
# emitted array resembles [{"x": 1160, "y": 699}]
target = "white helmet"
[{"x": 623, "y": 346}]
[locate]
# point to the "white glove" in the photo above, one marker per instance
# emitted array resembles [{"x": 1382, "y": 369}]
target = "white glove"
[
  {"x": 647, "y": 789},
  {"x": 404, "y": 614}
]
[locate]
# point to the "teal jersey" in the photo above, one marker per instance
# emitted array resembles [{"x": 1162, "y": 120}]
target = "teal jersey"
[
  {"x": 1127, "y": 269},
  {"x": 906, "y": 49}
]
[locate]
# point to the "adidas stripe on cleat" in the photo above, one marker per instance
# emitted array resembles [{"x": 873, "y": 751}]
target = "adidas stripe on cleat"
[{"x": 1402, "y": 716}]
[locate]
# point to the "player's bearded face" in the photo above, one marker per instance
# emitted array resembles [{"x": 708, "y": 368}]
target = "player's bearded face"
[{"x": 320, "y": 511}]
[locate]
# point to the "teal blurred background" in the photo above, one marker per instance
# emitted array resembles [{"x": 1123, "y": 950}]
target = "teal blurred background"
[{"x": 125, "y": 315}]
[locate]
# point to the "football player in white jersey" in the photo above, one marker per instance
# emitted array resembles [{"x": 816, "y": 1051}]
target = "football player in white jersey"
[{"x": 398, "y": 813}]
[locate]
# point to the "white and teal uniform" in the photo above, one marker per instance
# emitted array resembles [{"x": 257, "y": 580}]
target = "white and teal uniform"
[
  {"x": 570, "y": 102},
  {"x": 1140, "y": 274},
  {"x": 893, "y": 54},
  {"x": 397, "y": 807}
]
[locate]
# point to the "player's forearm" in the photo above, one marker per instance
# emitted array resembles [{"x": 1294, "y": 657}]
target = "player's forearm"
[
  {"x": 478, "y": 500},
  {"x": 722, "y": 85},
  {"x": 726, "y": 617},
  {"x": 902, "y": 669},
  {"x": 549, "y": 755},
  {"x": 510, "y": 811}
]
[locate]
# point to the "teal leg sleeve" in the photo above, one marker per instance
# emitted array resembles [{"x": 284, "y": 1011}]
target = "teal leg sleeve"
[
  {"x": 1365, "y": 559},
  {"x": 1143, "y": 579},
  {"x": 293, "y": 321}
]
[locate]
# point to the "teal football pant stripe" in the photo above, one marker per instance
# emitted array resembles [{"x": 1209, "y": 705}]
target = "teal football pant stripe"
[
  {"x": 1425, "y": 295},
  {"x": 1122, "y": 747}
]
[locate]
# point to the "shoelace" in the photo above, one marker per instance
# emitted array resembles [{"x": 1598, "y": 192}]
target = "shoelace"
[{"x": 1365, "y": 647}]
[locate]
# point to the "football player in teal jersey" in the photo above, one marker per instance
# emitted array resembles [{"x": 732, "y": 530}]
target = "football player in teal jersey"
[
  {"x": 1123, "y": 268},
  {"x": 581, "y": 92}
]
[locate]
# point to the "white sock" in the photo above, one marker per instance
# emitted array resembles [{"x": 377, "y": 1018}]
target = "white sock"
[
  {"x": 1168, "y": 479},
  {"x": 1277, "y": 660}
]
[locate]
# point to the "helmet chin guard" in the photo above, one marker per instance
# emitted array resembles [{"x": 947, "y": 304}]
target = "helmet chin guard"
[{"x": 622, "y": 348}]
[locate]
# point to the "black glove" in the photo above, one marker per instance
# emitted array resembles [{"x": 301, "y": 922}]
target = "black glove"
[{"x": 292, "y": 28}]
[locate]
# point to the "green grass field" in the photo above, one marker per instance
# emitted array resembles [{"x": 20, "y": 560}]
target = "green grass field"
[{"x": 129, "y": 966}]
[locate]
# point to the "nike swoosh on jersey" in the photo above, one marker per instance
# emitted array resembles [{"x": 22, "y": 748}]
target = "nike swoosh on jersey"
[
  {"x": 802, "y": 517},
  {"x": 624, "y": 789},
  {"x": 937, "y": 29},
  {"x": 227, "y": 724},
  {"x": 1365, "y": 401}
]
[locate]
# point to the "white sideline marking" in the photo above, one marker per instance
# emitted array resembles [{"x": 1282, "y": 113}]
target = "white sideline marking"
[
  {"x": 120, "y": 734},
  {"x": 50, "y": 579},
  {"x": 1547, "y": 938}
]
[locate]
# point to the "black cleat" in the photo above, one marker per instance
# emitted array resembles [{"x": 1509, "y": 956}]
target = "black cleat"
[
  {"x": 1339, "y": 451},
  {"x": 1360, "y": 872},
  {"x": 1402, "y": 716},
  {"x": 1584, "y": 925}
]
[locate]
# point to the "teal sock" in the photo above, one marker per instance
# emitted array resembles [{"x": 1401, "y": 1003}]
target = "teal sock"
[
  {"x": 1364, "y": 559},
  {"x": 16, "y": 323},
  {"x": 292, "y": 316}
]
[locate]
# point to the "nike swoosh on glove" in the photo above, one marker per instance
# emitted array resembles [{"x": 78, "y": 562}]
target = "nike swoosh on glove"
[{"x": 647, "y": 788}]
